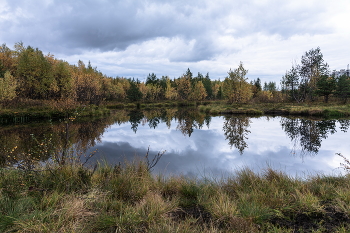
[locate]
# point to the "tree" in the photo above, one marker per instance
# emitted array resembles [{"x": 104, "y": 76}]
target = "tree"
[
  {"x": 325, "y": 87},
  {"x": 220, "y": 94},
  {"x": 170, "y": 91},
  {"x": 188, "y": 74},
  {"x": 7, "y": 59},
  {"x": 235, "y": 87},
  {"x": 154, "y": 92},
  {"x": 144, "y": 90},
  {"x": 134, "y": 93},
  {"x": 88, "y": 84},
  {"x": 184, "y": 87},
  {"x": 207, "y": 85},
  {"x": 152, "y": 79},
  {"x": 270, "y": 86},
  {"x": 199, "y": 93},
  {"x": 8, "y": 85},
  {"x": 2, "y": 70},
  {"x": 217, "y": 90},
  {"x": 34, "y": 73},
  {"x": 64, "y": 80},
  {"x": 257, "y": 84},
  {"x": 301, "y": 81},
  {"x": 122, "y": 85},
  {"x": 291, "y": 84},
  {"x": 256, "y": 87},
  {"x": 311, "y": 69},
  {"x": 343, "y": 88}
]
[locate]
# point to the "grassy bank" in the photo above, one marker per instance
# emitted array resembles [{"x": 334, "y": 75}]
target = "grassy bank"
[
  {"x": 127, "y": 198},
  {"x": 27, "y": 110},
  {"x": 300, "y": 109}
]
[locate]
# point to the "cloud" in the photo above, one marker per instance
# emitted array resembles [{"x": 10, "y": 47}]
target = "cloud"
[
  {"x": 108, "y": 25},
  {"x": 167, "y": 37}
]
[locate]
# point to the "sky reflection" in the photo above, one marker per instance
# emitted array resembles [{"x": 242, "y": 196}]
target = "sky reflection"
[{"x": 207, "y": 152}]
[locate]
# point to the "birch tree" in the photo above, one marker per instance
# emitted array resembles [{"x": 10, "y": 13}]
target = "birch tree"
[{"x": 235, "y": 87}]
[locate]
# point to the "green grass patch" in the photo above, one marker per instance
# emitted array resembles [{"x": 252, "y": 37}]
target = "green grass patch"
[{"x": 318, "y": 109}]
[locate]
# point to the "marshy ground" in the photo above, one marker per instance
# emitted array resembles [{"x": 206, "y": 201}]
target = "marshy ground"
[{"x": 128, "y": 198}]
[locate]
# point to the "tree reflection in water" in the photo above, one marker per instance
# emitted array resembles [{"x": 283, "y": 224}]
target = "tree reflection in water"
[
  {"x": 63, "y": 138},
  {"x": 27, "y": 144},
  {"x": 307, "y": 134},
  {"x": 135, "y": 118},
  {"x": 236, "y": 131},
  {"x": 187, "y": 119},
  {"x": 190, "y": 119}
]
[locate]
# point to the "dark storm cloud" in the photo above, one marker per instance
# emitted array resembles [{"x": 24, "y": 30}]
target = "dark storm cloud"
[
  {"x": 73, "y": 26},
  {"x": 103, "y": 25}
]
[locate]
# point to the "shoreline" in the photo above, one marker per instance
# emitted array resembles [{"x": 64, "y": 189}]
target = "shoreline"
[{"x": 210, "y": 107}]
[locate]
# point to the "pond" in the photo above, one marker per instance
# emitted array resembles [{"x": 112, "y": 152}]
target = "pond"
[{"x": 195, "y": 144}]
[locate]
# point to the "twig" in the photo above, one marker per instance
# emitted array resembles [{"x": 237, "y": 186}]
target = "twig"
[{"x": 155, "y": 160}]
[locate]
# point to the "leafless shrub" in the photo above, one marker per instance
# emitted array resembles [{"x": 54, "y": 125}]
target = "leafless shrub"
[{"x": 152, "y": 163}]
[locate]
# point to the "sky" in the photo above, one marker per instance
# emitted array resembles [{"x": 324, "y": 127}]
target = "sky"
[{"x": 132, "y": 38}]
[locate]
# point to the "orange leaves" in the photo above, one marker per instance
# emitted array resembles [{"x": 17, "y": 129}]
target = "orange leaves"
[{"x": 183, "y": 87}]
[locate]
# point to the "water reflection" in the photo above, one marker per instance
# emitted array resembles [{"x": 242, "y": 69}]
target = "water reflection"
[
  {"x": 187, "y": 119},
  {"x": 192, "y": 139},
  {"x": 308, "y": 134},
  {"x": 236, "y": 131},
  {"x": 135, "y": 118},
  {"x": 38, "y": 142}
]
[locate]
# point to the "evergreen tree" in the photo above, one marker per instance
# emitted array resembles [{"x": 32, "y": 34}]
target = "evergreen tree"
[
  {"x": 292, "y": 85},
  {"x": 257, "y": 84},
  {"x": 189, "y": 74},
  {"x": 152, "y": 79},
  {"x": 343, "y": 88},
  {"x": 134, "y": 93},
  {"x": 325, "y": 86},
  {"x": 2, "y": 70},
  {"x": 270, "y": 86},
  {"x": 207, "y": 85}
]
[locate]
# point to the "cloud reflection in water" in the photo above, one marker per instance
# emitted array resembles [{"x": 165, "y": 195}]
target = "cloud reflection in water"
[{"x": 208, "y": 152}]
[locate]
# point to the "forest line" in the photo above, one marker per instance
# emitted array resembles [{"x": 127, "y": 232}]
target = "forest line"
[{"x": 26, "y": 73}]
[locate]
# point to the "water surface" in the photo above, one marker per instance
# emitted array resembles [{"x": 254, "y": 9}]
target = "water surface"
[
  {"x": 216, "y": 146},
  {"x": 195, "y": 144}
]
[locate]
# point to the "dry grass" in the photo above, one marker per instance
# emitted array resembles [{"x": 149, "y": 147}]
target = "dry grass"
[{"x": 128, "y": 198}]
